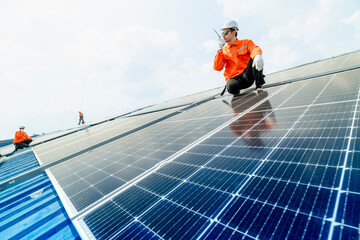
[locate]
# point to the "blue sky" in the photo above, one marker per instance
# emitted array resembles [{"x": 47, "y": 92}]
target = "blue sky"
[{"x": 109, "y": 57}]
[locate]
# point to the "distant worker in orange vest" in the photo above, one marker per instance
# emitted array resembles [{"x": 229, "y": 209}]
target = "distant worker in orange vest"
[
  {"x": 81, "y": 118},
  {"x": 21, "y": 140},
  {"x": 242, "y": 60}
]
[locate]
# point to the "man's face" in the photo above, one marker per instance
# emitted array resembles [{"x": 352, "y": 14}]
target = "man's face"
[{"x": 227, "y": 34}]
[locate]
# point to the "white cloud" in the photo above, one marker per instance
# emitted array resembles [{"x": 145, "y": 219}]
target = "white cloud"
[
  {"x": 280, "y": 57},
  {"x": 191, "y": 78},
  {"x": 354, "y": 21},
  {"x": 210, "y": 46}
]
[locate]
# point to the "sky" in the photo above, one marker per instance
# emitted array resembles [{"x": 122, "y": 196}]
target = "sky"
[{"x": 110, "y": 57}]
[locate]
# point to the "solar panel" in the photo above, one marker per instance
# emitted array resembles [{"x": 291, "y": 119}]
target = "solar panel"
[{"x": 286, "y": 169}]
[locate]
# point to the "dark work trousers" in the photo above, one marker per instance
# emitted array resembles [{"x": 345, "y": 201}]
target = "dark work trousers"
[
  {"x": 81, "y": 119},
  {"x": 23, "y": 144},
  {"x": 245, "y": 80}
]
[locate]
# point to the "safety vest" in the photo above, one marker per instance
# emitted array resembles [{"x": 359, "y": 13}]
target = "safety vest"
[
  {"x": 235, "y": 57},
  {"x": 20, "y": 137}
]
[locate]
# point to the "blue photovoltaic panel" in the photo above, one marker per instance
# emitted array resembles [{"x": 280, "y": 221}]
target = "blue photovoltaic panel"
[{"x": 273, "y": 173}]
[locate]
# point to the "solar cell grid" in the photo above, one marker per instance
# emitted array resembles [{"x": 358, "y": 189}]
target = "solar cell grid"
[
  {"x": 105, "y": 221},
  {"x": 159, "y": 184},
  {"x": 340, "y": 90},
  {"x": 217, "y": 179},
  {"x": 349, "y": 209},
  {"x": 182, "y": 223},
  {"x": 135, "y": 200},
  {"x": 344, "y": 232},
  {"x": 309, "y": 91},
  {"x": 219, "y": 231},
  {"x": 352, "y": 179},
  {"x": 203, "y": 200}
]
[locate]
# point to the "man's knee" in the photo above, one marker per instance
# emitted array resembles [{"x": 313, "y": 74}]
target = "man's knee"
[
  {"x": 23, "y": 144},
  {"x": 232, "y": 86}
]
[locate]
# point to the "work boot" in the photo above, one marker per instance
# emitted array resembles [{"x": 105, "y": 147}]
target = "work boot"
[{"x": 237, "y": 94}]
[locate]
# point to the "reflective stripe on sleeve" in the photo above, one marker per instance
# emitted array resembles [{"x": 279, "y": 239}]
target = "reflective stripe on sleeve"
[{"x": 242, "y": 48}]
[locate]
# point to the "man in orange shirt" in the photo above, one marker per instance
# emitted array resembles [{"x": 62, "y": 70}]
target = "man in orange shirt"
[
  {"x": 21, "y": 140},
  {"x": 241, "y": 58},
  {"x": 81, "y": 118}
]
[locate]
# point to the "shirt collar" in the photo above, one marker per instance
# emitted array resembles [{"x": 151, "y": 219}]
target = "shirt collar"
[{"x": 237, "y": 41}]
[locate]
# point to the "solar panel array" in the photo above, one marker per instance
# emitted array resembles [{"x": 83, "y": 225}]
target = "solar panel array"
[
  {"x": 89, "y": 177},
  {"x": 282, "y": 163}
]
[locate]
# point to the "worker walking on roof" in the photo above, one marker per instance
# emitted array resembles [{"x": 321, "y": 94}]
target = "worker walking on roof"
[
  {"x": 241, "y": 58},
  {"x": 81, "y": 118},
  {"x": 21, "y": 140}
]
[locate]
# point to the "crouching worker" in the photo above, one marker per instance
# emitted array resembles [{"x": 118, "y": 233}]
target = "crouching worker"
[
  {"x": 241, "y": 58},
  {"x": 21, "y": 140}
]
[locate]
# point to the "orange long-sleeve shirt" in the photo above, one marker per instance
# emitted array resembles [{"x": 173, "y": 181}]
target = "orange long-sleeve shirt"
[
  {"x": 235, "y": 57},
  {"x": 81, "y": 114},
  {"x": 21, "y": 136}
]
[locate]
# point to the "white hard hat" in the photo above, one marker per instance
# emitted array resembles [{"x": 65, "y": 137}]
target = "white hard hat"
[
  {"x": 21, "y": 127},
  {"x": 231, "y": 24}
]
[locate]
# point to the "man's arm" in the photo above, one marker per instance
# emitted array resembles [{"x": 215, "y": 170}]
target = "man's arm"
[
  {"x": 255, "y": 54},
  {"x": 219, "y": 62},
  {"x": 16, "y": 138},
  {"x": 253, "y": 49},
  {"x": 27, "y": 136}
]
